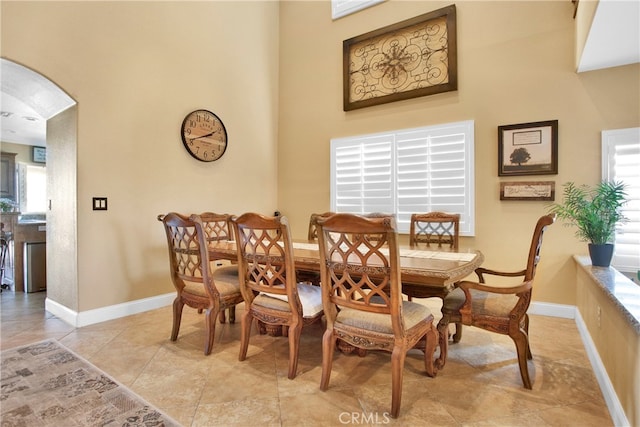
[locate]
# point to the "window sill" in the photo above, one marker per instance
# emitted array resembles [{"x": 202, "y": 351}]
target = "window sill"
[{"x": 624, "y": 293}]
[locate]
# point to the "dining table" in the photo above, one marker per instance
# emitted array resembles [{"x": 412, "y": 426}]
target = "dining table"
[{"x": 424, "y": 272}]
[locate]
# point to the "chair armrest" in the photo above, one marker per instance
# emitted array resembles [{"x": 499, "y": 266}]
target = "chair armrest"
[
  {"x": 523, "y": 287},
  {"x": 480, "y": 271},
  {"x": 522, "y": 291}
]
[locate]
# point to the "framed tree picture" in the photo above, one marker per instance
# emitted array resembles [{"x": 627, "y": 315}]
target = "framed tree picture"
[
  {"x": 412, "y": 58},
  {"x": 528, "y": 149}
]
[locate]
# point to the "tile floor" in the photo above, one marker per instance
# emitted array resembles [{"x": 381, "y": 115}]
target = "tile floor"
[{"x": 479, "y": 386}]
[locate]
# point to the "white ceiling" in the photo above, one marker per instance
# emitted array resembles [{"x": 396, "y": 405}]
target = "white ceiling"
[
  {"x": 614, "y": 37},
  {"x": 28, "y": 100}
]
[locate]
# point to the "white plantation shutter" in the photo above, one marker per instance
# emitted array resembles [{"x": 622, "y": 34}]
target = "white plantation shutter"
[
  {"x": 363, "y": 175},
  {"x": 341, "y": 8},
  {"x": 406, "y": 171},
  {"x": 621, "y": 162}
]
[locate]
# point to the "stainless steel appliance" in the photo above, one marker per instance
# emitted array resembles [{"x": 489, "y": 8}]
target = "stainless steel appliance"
[{"x": 35, "y": 266}]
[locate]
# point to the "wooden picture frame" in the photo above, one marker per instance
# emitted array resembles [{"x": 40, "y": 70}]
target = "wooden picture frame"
[
  {"x": 415, "y": 57},
  {"x": 530, "y": 190},
  {"x": 528, "y": 149}
]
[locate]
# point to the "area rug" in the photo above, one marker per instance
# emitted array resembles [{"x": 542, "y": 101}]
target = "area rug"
[{"x": 46, "y": 384}]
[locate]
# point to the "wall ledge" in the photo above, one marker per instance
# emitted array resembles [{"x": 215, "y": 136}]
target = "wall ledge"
[{"x": 619, "y": 289}]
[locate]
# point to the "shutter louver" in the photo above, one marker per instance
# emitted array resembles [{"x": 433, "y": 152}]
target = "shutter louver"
[{"x": 621, "y": 162}]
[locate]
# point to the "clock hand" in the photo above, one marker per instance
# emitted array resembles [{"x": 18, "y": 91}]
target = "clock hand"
[{"x": 204, "y": 136}]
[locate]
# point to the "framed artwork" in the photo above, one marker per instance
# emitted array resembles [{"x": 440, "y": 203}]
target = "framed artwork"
[
  {"x": 532, "y": 190},
  {"x": 412, "y": 58},
  {"x": 39, "y": 154},
  {"x": 528, "y": 149}
]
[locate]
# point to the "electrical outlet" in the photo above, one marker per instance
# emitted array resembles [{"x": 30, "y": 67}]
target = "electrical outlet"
[{"x": 598, "y": 315}]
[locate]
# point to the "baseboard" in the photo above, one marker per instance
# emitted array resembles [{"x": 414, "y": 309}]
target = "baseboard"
[
  {"x": 571, "y": 312},
  {"x": 553, "y": 310},
  {"x": 611, "y": 398},
  {"x": 89, "y": 317}
]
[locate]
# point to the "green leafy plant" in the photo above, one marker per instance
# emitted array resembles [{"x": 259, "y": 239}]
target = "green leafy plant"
[
  {"x": 595, "y": 211},
  {"x": 7, "y": 205}
]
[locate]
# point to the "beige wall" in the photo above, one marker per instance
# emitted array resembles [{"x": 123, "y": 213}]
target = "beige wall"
[
  {"x": 23, "y": 152},
  {"x": 516, "y": 64},
  {"x": 273, "y": 73},
  {"x": 136, "y": 69}
]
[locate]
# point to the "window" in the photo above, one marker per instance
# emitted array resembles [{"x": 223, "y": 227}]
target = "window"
[
  {"x": 406, "y": 171},
  {"x": 621, "y": 162},
  {"x": 32, "y": 188},
  {"x": 340, "y": 8}
]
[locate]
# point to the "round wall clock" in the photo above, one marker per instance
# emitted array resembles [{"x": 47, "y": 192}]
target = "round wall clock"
[{"x": 204, "y": 135}]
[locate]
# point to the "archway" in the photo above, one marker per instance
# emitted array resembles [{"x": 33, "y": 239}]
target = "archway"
[{"x": 60, "y": 112}]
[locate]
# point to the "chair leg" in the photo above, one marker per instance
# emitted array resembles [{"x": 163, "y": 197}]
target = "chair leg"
[
  {"x": 247, "y": 320},
  {"x": 458, "y": 335},
  {"x": 431, "y": 342},
  {"x": 521, "y": 339},
  {"x": 210, "y": 317},
  {"x": 328, "y": 349},
  {"x": 397, "y": 370},
  {"x": 443, "y": 338},
  {"x": 177, "y": 317},
  {"x": 222, "y": 316},
  {"x": 294, "y": 348},
  {"x": 526, "y": 329},
  {"x": 232, "y": 314}
]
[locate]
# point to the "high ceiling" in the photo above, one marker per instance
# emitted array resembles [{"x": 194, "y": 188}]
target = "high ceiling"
[{"x": 28, "y": 100}]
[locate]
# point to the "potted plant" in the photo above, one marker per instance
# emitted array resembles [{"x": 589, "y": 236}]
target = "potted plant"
[
  {"x": 7, "y": 205},
  {"x": 596, "y": 212}
]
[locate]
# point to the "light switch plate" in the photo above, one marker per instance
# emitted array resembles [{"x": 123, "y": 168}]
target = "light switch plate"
[{"x": 99, "y": 203}]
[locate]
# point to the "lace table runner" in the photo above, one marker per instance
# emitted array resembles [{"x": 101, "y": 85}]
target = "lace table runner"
[{"x": 409, "y": 253}]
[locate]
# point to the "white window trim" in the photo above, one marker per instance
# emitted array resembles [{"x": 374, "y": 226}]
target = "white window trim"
[
  {"x": 467, "y": 212},
  {"x": 340, "y": 8},
  {"x": 627, "y": 260}
]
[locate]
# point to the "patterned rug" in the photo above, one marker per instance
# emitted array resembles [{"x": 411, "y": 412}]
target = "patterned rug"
[{"x": 46, "y": 384}]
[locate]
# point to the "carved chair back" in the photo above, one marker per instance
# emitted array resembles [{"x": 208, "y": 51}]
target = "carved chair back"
[
  {"x": 216, "y": 226},
  {"x": 360, "y": 265},
  {"x": 438, "y": 228},
  {"x": 188, "y": 252},
  {"x": 313, "y": 231},
  {"x": 266, "y": 257}
]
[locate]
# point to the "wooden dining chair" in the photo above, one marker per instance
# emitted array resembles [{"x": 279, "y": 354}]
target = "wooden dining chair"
[
  {"x": 312, "y": 277},
  {"x": 362, "y": 296},
  {"x": 313, "y": 231},
  {"x": 268, "y": 282},
  {"x": 197, "y": 285},
  {"x": 501, "y": 309},
  {"x": 439, "y": 230},
  {"x": 435, "y": 228},
  {"x": 217, "y": 227}
]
